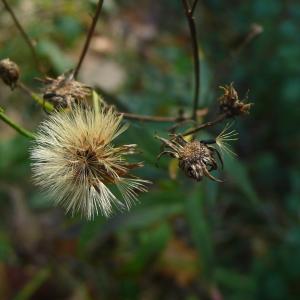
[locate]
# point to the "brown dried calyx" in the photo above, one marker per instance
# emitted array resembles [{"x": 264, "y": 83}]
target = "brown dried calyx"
[
  {"x": 9, "y": 72},
  {"x": 197, "y": 159},
  {"x": 64, "y": 91},
  {"x": 230, "y": 104}
]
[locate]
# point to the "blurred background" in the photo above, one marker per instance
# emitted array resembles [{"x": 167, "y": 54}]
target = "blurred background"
[{"x": 238, "y": 240}]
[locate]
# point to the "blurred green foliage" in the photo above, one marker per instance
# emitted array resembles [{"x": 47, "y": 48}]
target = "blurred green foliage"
[{"x": 238, "y": 240}]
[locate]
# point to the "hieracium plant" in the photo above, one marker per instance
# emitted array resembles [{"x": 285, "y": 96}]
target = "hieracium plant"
[{"x": 74, "y": 155}]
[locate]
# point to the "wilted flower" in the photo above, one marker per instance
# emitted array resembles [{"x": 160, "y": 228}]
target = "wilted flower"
[
  {"x": 9, "y": 72},
  {"x": 230, "y": 104},
  {"x": 197, "y": 159},
  {"x": 65, "y": 91},
  {"x": 75, "y": 162}
]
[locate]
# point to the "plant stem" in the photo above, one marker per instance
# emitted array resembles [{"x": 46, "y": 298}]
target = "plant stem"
[
  {"x": 191, "y": 22},
  {"x": 219, "y": 119},
  {"x": 194, "y": 6},
  {"x": 89, "y": 37},
  {"x": 138, "y": 117},
  {"x": 17, "y": 127},
  {"x": 24, "y": 34},
  {"x": 146, "y": 118}
]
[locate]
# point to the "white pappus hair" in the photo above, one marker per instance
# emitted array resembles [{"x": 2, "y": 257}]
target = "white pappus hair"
[{"x": 74, "y": 161}]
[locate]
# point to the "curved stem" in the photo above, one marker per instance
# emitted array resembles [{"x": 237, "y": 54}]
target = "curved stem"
[
  {"x": 219, "y": 119},
  {"x": 24, "y": 34},
  {"x": 194, "y": 6},
  {"x": 89, "y": 37},
  {"x": 146, "y": 118},
  {"x": 191, "y": 22},
  {"x": 17, "y": 127}
]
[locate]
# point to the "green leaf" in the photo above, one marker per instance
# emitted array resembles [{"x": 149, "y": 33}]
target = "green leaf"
[
  {"x": 200, "y": 231},
  {"x": 151, "y": 244},
  {"x": 239, "y": 174},
  {"x": 58, "y": 59},
  {"x": 33, "y": 285}
]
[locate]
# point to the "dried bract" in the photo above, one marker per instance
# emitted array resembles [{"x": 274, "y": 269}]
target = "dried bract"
[
  {"x": 64, "y": 91},
  {"x": 196, "y": 158},
  {"x": 75, "y": 162},
  {"x": 230, "y": 104},
  {"x": 9, "y": 72}
]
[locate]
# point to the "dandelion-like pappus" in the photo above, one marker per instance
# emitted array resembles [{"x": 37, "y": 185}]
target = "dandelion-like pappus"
[{"x": 75, "y": 161}]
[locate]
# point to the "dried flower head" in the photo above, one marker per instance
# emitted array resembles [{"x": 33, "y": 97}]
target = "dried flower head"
[
  {"x": 9, "y": 72},
  {"x": 64, "y": 91},
  {"x": 197, "y": 159},
  {"x": 75, "y": 162},
  {"x": 230, "y": 104}
]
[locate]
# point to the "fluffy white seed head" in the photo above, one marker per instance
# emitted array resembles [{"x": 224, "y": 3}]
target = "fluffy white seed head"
[{"x": 74, "y": 161}]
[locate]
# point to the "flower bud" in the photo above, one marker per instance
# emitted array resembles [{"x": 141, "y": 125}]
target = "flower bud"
[
  {"x": 9, "y": 72},
  {"x": 230, "y": 104}
]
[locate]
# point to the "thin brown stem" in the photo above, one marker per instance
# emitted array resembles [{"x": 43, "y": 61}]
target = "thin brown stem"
[
  {"x": 89, "y": 37},
  {"x": 219, "y": 119},
  {"x": 192, "y": 26},
  {"x": 145, "y": 118},
  {"x": 254, "y": 31},
  {"x": 194, "y": 6},
  {"x": 24, "y": 34}
]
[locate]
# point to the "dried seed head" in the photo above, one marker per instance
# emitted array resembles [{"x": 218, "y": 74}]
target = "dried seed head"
[
  {"x": 64, "y": 91},
  {"x": 75, "y": 162},
  {"x": 9, "y": 72},
  {"x": 195, "y": 158},
  {"x": 230, "y": 104}
]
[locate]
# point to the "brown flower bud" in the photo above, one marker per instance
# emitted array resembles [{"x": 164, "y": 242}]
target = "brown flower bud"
[
  {"x": 196, "y": 158},
  {"x": 64, "y": 91},
  {"x": 9, "y": 72},
  {"x": 230, "y": 104}
]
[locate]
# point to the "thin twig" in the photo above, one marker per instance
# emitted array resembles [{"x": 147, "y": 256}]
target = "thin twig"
[
  {"x": 89, "y": 37},
  {"x": 219, "y": 119},
  {"x": 194, "y": 7},
  {"x": 137, "y": 117},
  {"x": 191, "y": 22},
  {"x": 17, "y": 127},
  {"x": 24, "y": 34},
  {"x": 146, "y": 118},
  {"x": 254, "y": 31}
]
